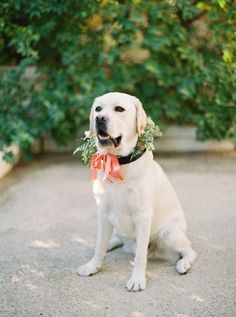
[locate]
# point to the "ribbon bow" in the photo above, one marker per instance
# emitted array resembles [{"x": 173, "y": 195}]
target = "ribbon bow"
[{"x": 108, "y": 163}]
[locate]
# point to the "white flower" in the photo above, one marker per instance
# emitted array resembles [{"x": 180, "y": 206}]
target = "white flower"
[{"x": 87, "y": 134}]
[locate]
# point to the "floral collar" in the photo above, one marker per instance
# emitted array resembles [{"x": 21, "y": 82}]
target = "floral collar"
[{"x": 145, "y": 142}]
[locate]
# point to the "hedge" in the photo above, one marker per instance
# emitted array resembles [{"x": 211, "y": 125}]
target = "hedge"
[{"x": 178, "y": 57}]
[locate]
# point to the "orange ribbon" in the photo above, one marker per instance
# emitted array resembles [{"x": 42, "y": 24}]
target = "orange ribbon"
[{"x": 108, "y": 163}]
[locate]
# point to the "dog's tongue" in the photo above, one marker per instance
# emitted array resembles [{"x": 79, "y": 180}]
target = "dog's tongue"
[{"x": 104, "y": 137}]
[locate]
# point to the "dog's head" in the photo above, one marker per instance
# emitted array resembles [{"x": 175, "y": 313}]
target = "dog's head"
[{"x": 116, "y": 120}]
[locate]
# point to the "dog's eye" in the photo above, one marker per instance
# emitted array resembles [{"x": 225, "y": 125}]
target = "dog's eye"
[
  {"x": 98, "y": 109},
  {"x": 119, "y": 109}
]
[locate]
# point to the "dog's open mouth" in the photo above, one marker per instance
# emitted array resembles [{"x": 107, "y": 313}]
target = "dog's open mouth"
[{"x": 105, "y": 139}]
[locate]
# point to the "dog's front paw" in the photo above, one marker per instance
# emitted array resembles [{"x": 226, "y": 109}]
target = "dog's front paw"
[
  {"x": 136, "y": 284},
  {"x": 89, "y": 268},
  {"x": 182, "y": 266}
]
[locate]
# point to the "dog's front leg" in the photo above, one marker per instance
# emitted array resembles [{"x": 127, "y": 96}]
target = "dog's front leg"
[
  {"x": 137, "y": 282},
  {"x": 103, "y": 237}
]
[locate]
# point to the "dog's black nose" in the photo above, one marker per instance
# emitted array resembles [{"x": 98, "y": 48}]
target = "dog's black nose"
[{"x": 100, "y": 119}]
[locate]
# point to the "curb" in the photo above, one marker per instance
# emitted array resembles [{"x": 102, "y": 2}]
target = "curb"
[
  {"x": 183, "y": 139},
  {"x": 175, "y": 139},
  {"x": 179, "y": 139},
  {"x": 6, "y": 167}
]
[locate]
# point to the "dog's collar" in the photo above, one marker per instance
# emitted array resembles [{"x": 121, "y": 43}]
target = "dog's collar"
[{"x": 130, "y": 158}]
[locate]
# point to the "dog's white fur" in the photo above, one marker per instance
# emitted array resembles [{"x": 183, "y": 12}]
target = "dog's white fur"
[{"x": 143, "y": 207}]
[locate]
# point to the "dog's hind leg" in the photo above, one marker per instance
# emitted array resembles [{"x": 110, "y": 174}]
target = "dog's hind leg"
[
  {"x": 187, "y": 257},
  {"x": 176, "y": 240}
]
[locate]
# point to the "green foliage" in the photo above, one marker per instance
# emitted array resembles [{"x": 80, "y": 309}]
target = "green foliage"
[
  {"x": 177, "y": 56},
  {"x": 87, "y": 149},
  {"x": 145, "y": 141}
]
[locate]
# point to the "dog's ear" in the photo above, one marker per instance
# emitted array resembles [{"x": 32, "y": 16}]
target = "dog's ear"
[
  {"x": 141, "y": 116},
  {"x": 90, "y": 132},
  {"x": 91, "y": 119}
]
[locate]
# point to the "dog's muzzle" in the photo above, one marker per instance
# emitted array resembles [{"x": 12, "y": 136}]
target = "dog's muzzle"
[{"x": 103, "y": 137}]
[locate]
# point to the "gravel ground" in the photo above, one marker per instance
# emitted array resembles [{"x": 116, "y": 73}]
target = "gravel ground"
[{"x": 48, "y": 229}]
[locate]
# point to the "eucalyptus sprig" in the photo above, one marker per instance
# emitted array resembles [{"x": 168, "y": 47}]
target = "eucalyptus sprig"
[
  {"x": 87, "y": 149},
  {"x": 145, "y": 141}
]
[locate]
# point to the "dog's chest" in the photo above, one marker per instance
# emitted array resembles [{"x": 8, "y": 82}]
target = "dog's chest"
[{"x": 119, "y": 202}]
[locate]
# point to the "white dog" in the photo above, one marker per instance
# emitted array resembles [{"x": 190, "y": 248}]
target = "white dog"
[{"x": 143, "y": 207}]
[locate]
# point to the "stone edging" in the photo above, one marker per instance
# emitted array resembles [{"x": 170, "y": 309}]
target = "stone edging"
[
  {"x": 183, "y": 139},
  {"x": 6, "y": 167},
  {"x": 175, "y": 139}
]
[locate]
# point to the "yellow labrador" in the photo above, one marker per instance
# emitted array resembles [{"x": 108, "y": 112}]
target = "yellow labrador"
[{"x": 143, "y": 207}]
